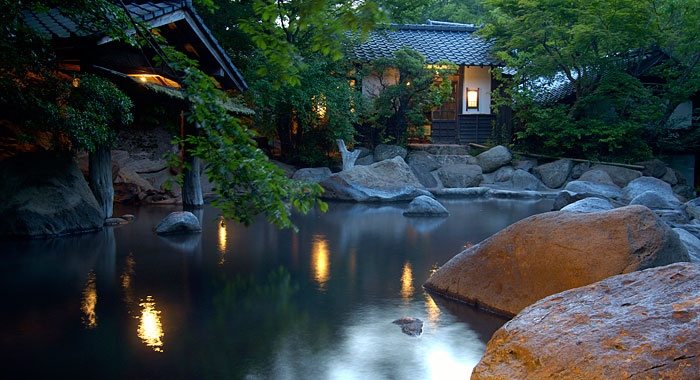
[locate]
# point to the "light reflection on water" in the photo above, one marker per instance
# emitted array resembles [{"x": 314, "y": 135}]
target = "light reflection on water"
[{"x": 253, "y": 303}]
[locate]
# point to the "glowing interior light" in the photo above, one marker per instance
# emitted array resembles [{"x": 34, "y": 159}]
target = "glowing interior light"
[
  {"x": 150, "y": 328},
  {"x": 473, "y": 98}
]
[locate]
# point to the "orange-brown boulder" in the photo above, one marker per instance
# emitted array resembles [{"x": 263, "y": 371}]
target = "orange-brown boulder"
[
  {"x": 556, "y": 251},
  {"x": 640, "y": 325}
]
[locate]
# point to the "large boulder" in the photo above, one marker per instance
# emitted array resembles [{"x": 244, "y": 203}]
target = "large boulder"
[
  {"x": 45, "y": 195},
  {"x": 640, "y": 325},
  {"x": 522, "y": 180},
  {"x": 554, "y": 174},
  {"x": 643, "y": 184},
  {"x": 425, "y": 206},
  {"x": 423, "y": 164},
  {"x": 555, "y": 251},
  {"x": 386, "y": 152},
  {"x": 494, "y": 158},
  {"x": 591, "y": 204},
  {"x": 178, "y": 222},
  {"x": 605, "y": 190},
  {"x": 460, "y": 175},
  {"x": 388, "y": 180},
  {"x": 621, "y": 176},
  {"x": 312, "y": 174}
]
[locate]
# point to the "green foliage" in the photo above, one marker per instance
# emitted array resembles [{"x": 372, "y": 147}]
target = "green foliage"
[
  {"x": 605, "y": 51},
  {"x": 307, "y": 118},
  {"x": 461, "y": 11},
  {"x": 407, "y": 90},
  {"x": 246, "y": 181},
  {"x": 287, "y": 32}
]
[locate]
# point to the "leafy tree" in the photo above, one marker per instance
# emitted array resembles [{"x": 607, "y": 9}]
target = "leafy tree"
[
  {"x": 307, "y": 119},
  {"x": 407, "y": 90},
  {"x": 596, "y": 49},
  {"x": 460, "y": 11},
  {"x": 288, "y": 32}
]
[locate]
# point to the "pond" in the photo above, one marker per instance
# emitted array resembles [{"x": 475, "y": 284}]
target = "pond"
[{"x": 249, "y": 303}]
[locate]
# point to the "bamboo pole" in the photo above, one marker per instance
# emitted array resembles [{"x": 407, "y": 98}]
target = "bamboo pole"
[{"x": 628, "y": 166}]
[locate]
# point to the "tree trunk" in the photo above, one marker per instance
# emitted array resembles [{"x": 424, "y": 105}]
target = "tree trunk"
[
  {"x": 100, "y": 162},
  {"x": 191, "y": 184}
]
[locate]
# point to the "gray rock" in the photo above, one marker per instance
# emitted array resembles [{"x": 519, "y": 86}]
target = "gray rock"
[
  {"x": 670, "y": 177},
  {"x": 591, "y": 204},
  {"x": 580, "y": 168},
  {"x": 554, "y": 174},
  {"x": 422, "y": 164},
  {"x": 523, "y": 180},
  {"x": 366, "y": 156},
  {"x": 655, "y": 200},
  {"x": 45, "y": 195},
  {"x": 494, "y": 158},
  {"x": 384, "y": 152},
  {"x": 425, "y": 206},
  {"x": 620, "y": 176},
  {"x": 179, "y": 222},
  {"x": 653, "y": 168},
  {"x": 692, "y": 207},
  {"x": 460, "y": 175},
  {"x": 597, "y": 176},
  {"x": 450, "y": 159},
  {"x": 691, "y": 243},
  {"x": 525, "y": 164},
  {"x": 640, "y": 325},
  {"x": 643, "y": 184},
  {"x": 312, "y": 174},
  {"x": 388, "y": 180},
  {"x": 503, "y": 174},
  {"x": 601, "y": 189}
]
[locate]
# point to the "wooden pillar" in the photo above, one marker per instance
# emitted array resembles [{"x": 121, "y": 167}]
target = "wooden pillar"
[{"x": 100, "y": 162}]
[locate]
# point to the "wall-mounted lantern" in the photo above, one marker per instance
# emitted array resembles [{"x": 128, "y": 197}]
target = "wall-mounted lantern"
[{"x": 473, "y": 98}]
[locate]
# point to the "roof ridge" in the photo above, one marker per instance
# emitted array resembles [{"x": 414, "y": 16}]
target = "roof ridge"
[{"x": 435, "y": 26}]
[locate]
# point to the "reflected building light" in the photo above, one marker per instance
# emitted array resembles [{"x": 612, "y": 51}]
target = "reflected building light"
[
  {"x": 126, "y": 277},
  {"x": 407, "y": 282},
  {"x": 222, "y": 241},
  {"x": 89, "y": 302},
  {"x": 320, "y": 261},
  {"x": 150, "y": 327},
  {"x": 432, "y": 309}
]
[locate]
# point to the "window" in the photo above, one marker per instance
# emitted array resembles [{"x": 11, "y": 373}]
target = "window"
[{"x": 473, "y": 98}]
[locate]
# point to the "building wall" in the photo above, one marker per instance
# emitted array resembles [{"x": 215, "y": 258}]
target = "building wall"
[{"x": 477, "y": 77}]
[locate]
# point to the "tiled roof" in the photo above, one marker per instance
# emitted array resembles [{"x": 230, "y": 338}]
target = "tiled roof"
[
  {"x": 56, "y": 24},
  {"x": 436, "y": 42}
]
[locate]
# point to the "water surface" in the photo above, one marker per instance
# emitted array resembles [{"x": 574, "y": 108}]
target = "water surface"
[{"x": 248, "y": 303}]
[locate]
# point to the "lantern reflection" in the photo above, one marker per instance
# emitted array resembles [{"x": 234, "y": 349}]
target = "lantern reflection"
[
  {"x": 222, "y": 241},
  {"x": 407, "y": 282},
  {"x": 89, "y": 302},
  {"x": 320, "y": 261},
  {"x": 150, "y": 329}
]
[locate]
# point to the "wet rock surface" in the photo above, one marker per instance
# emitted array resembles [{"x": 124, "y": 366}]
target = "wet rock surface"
[
  {"x": 556, "y": 251},
  {"x": 641, "y": 325}
]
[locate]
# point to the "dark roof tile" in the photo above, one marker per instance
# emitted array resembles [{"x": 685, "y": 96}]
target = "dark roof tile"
[{"x": 455, "y": 42}]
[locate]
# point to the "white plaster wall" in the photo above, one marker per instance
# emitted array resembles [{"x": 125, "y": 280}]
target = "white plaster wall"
[{"x": 477, "y": 77}]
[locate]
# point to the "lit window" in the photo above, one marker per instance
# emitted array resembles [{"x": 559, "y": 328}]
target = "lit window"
[{"x": 473, "y": 98}]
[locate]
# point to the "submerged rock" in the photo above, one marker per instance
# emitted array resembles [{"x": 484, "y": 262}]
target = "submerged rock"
[
  {"x": 552, "y": 252},
  {"x": 641, "y": 325},
  {"x": 410, "y": 326}
]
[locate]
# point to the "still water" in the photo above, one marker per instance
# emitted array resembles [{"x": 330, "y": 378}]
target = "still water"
[{"x": 248, "y": 303}]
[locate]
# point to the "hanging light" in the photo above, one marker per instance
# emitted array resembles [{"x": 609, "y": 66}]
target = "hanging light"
[{"x": 473, "y": 98}]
